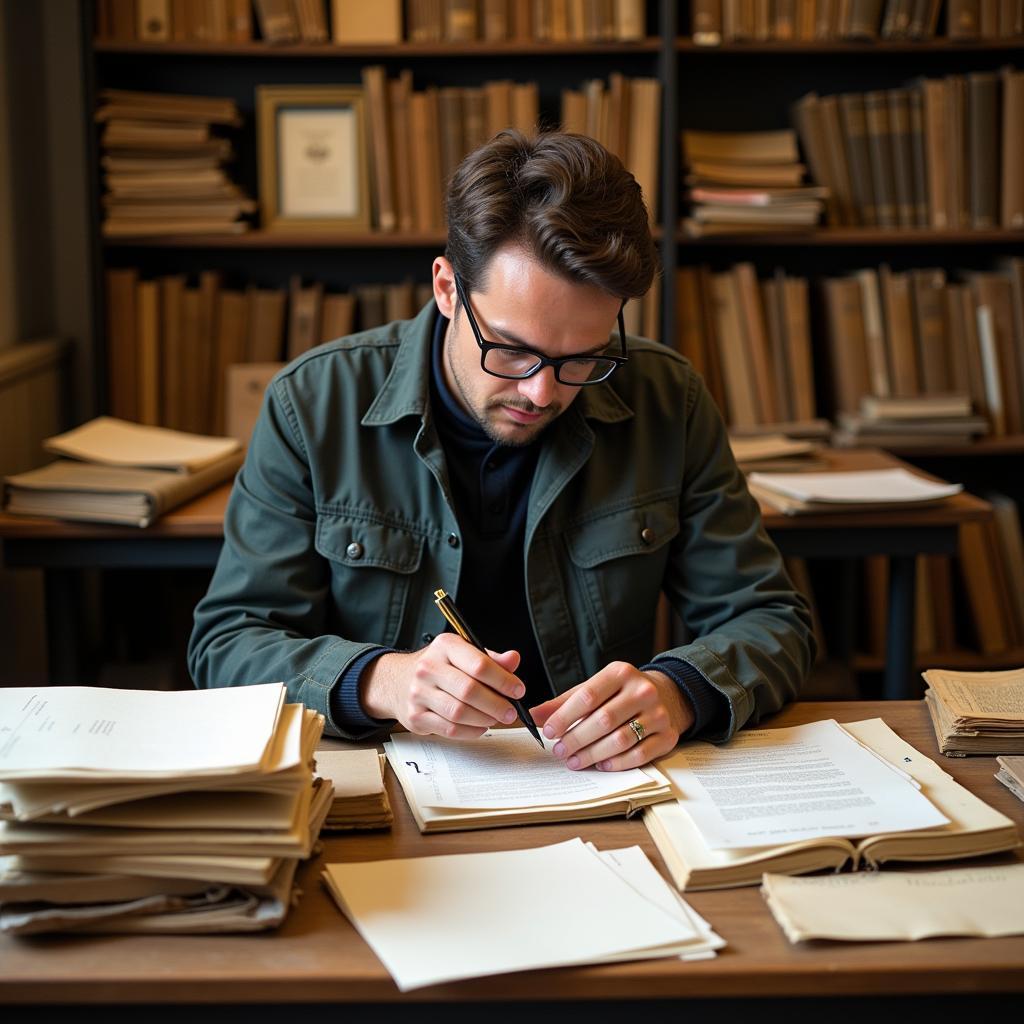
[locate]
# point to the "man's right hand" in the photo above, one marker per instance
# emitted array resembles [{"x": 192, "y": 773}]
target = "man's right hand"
[{"x": 447, "y": 688}]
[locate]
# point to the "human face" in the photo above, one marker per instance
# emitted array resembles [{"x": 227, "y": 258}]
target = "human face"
[{"x": 520, "y": 303}]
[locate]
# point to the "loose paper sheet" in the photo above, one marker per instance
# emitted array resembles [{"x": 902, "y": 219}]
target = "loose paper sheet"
[
  {"x": 773, "y": 786},
  {"x": 883, "y": 485},
  {"x": 72, "y": 731},
  {"x": 868, "y": 906},
  {"x": 504, "y": 768},
  {"x": 437, "y": 919}
]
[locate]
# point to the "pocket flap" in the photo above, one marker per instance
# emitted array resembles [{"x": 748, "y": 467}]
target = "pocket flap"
[
  {"x": 638, "y": 530},
  {"x": 359, "y": 543}
]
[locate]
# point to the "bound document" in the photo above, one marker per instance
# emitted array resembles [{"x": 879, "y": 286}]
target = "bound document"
[
  {"x": 792, "y": 801},
  {"x": 976, "y": 712},
  {"x": 504, "y": 778}
]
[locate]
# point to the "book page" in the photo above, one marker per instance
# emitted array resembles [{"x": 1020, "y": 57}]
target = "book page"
[
  {"x": 882, "y": 485},
  {"x": 441, "y": 918},
  {"x": 354, "y": 773},
  {"x": 504, "y": 768},
  {"x": 985, "y": 695},
  {"x": 75, "y": 731},
  {"x": 875, "y": 905},
  {"x": 772, "y": 786},
  {"x": 115, "y": 442}
]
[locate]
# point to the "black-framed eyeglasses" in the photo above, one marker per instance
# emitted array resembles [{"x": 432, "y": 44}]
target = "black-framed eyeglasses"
[{"x": 517, "y": 362}]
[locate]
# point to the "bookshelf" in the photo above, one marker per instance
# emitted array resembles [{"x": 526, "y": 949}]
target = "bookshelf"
[{"x": 732, "y": 86}]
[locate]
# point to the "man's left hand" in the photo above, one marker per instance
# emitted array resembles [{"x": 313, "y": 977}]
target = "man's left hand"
[{"x": 603, "y": 707}]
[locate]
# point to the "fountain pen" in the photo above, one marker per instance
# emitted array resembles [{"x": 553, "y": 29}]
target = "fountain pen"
[{"x": 459, "y": 624}]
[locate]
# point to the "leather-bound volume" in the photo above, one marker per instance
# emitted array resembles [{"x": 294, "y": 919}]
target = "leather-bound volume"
[
  {"x": 934, "y": 106},
  {"x": 927, "y": 286},
  {"x": 855, "y": 129},
  {"x": 897, "y": 311},
  {"x": 1013, "y": 149},
  {"x": 846, "y": 346},
  {"x": 122, "y": 324},
  {"x": 983, "y": 148},
  {"x": 707, "y": 22},
  {"x": 919, "y": 158},
  {"x": 835, "y": 148},
  {"x": 958, "y": 202},
  {"x": 902, "y": 156},
  {"x": 963, "y": 19},
  {"x": 864, "y": 19},
  {"x": 876, "y": 117}
]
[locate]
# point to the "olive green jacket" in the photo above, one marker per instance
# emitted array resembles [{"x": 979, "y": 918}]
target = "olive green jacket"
[{"x": 341, "y": 526}]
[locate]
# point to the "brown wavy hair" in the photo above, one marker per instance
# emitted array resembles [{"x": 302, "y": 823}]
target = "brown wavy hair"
[{"x": 564, "y": 198}]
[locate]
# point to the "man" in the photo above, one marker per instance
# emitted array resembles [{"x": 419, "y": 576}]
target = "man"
[{"x": 511, "y": 446}]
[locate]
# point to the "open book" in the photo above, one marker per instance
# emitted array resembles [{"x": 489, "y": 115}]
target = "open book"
[
  {"x": 971, "y": 827},
  {"x": 504, "y": 778}
]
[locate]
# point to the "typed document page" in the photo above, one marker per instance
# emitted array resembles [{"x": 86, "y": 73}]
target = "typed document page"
[{"x": 772, "y": 786}]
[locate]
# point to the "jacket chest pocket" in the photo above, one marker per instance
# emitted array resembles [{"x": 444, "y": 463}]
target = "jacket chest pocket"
[
  {"x": 372, "y": 567},
  {"x": 618, "y": 564}
]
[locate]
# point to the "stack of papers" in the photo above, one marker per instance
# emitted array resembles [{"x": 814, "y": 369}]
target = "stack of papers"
[
  {"x": 113, "y": 471},
  {"x": 437, "y": 919},
  {"x": 899, "y": 905},
  {"x": 360, "y": 799},
  {"x": 504, "y": 778},
  {"x": 1011, "y": 774},
  {"x": 813, "y": 797},
  {"x": 776, "y": 451},
  {"x": 976, "y": 712},
  {"x": 141, "y": 811},
  {"x": 796, "y": 493}
]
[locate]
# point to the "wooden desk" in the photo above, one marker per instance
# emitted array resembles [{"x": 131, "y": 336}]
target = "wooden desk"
[
  {"x": 317, "y": 957},
  {"x": 191, "y": 537}
]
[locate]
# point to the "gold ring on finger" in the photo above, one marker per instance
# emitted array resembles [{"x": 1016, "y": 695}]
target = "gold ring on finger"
[{"x": 638, "y": 729}]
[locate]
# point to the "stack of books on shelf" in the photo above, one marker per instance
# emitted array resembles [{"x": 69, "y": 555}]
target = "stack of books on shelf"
[
  {"x": 114, "y": 823},
  {"x": 742, "y": 182},
  {"x": 113, "y": 471},
  {"x": 751, "y": 341},
  {"x": 163, "y": 165},
  {"x": 941, "y": 153},
  {"x": 858, "y": 490},
  {"x": 173, "y": 343},
  {"x": 358, "y": 22},
  {"x": 729, "y": 21},
  {"x": 910, "y": 421},
  {"x": 1011, "y": 774},
  {"x": 917, "y": 335},
  {"x": 771, "y": 452},
  {"x": 976, "y": 712},
  {"x": 360, "y": 800},
  {"x": 417, "y": 139},
  {"x": 973, "y": 602}
]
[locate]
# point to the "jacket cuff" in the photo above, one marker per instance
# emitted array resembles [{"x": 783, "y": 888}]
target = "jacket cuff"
[
  {"x": 346, "y": 708},
  {"x": 708, "y": 703}
]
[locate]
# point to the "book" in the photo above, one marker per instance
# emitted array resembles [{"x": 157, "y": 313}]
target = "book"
[
  {"x": 623, "y": 910},
  {"x": 360, "y": 800},
  {"x": 912, "y": 407},
  {"x": 1011, "y": 774},
  {"x": 85, "y": 491},
  {"x": 976, "y": 712},
  {"x": 910, "y": 905},
  {"x": 503, "y": 778},
  {"x": 112, "y": 442},
  {"x": 973, "y": 828}
]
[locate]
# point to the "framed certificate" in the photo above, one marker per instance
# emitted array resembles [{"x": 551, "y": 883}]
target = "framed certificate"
[{"x": 313, "y": 164}]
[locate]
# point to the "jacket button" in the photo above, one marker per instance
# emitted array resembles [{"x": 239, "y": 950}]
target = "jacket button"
[
  {"x": 647, "y": 535},
  {"x": 453, "y": 540},
  {"x": 354, "y": 550},
  {"x": 428, "y": 638}
]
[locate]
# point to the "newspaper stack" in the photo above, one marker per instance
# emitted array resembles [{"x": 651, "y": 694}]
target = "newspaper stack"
[
  {"x": 146, "y": 811},
  {"x": 163, "y": 162},
  {"x": 742, "y": 182},
  {"x": 976, "y": 712},
  {"x": 360, "y": 799},
  {"x": 115, "y": 471}
]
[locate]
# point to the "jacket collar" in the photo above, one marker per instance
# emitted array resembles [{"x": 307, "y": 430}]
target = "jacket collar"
[{"x": 406, "y": 391}]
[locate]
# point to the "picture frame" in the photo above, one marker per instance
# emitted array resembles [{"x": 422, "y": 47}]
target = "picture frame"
[{"x": 313, "y": 158}]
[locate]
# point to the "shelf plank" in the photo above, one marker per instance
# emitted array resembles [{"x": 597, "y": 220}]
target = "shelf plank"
[
  {"x": 404, "y": 51},
  {"x": 862, "y": 48},
  {"x": 959, "y": 659},
  {"x": 859, "y": 236},
  {"x": 1010, "y": 445}
]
